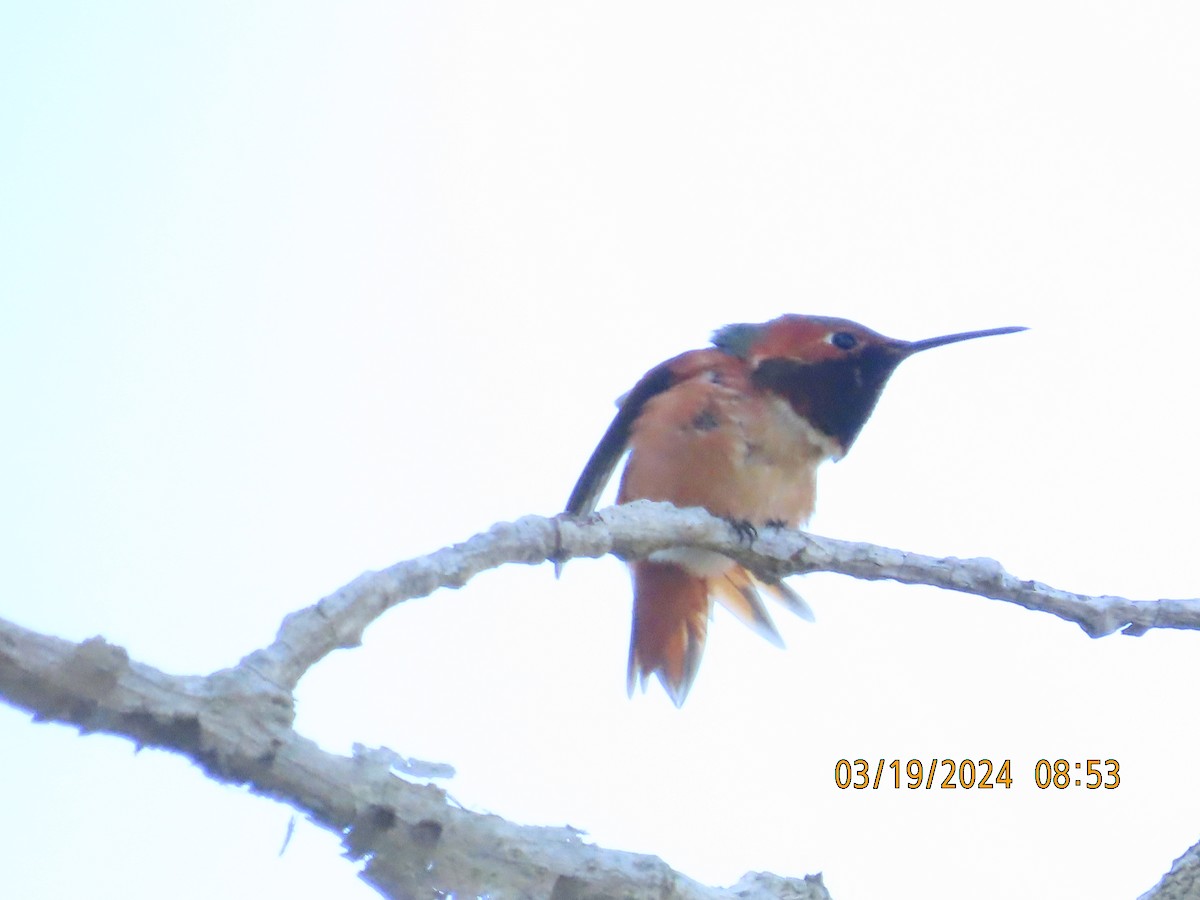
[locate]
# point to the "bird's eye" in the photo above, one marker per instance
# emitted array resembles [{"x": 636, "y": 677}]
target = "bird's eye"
[{"x": 843, "y": 340}]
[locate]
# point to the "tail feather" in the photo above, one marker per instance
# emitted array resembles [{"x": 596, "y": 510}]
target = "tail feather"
[
  {"x": 789, "y": 598},
  {"x": 671, "y": 609},
  {"x": 736, "y": 590},
  {"x": 670, "y": 622}
]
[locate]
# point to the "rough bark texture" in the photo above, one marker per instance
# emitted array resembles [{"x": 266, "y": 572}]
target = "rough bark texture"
[
  {"x": 237, "y": 727},
  {"x": 1182, "y": 882},
  {"x": 236, "y": 724}
]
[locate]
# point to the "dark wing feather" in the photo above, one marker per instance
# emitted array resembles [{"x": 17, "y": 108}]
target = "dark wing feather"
[{"x": 612, "y": 446}]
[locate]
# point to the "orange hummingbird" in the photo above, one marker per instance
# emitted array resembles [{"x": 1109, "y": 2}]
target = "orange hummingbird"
[{"x": 738, "y": 429}]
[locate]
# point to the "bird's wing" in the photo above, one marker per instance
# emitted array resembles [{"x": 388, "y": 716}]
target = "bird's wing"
[{"x": 612, "y": 446}]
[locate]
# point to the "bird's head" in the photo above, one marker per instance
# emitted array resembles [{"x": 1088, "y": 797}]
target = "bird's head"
[{"x": 831, "y": 371}]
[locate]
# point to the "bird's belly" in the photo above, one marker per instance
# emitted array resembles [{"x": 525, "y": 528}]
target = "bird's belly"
[
  {"x": 777, "y": 464},
  {"x": 738, "y": 456}
]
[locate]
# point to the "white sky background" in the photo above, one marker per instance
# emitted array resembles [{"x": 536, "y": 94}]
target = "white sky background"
[{"x": 292, "y": 291}]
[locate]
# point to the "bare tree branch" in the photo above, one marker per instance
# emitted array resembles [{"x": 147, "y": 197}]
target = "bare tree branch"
[
  {"x": 414, "y": 844},
  {"x": 236, "y": 724},
  {"x": 1182, "y": 882},
  {"x": 638, "y": 529}
]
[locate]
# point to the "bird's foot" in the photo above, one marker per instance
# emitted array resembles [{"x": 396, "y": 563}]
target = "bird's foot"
[{"x": 744, "y": 528}]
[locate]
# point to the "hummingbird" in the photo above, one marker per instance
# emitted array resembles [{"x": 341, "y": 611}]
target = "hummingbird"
[{"x": 739, "y": 429}]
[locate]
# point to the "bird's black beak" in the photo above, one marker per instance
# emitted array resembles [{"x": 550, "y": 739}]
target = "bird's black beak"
[{"x": 908, "y": 348}]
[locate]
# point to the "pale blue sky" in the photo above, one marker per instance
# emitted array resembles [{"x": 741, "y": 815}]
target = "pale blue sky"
[{"x": 291, "y": 291}]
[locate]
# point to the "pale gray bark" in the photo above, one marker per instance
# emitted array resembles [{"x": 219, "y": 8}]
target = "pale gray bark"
[
  {"x": 237, "y": 723},
  {"x": 1182, "y": 882}
]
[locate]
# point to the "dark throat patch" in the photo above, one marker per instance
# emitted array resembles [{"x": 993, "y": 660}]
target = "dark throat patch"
[{"x": 836, "y": 396}]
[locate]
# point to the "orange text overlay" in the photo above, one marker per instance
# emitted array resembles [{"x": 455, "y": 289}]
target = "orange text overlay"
[{"x": 973, "y": 774}]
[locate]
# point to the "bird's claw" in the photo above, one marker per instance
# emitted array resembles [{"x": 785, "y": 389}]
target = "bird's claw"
[{"x": 744, "y": 528}]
